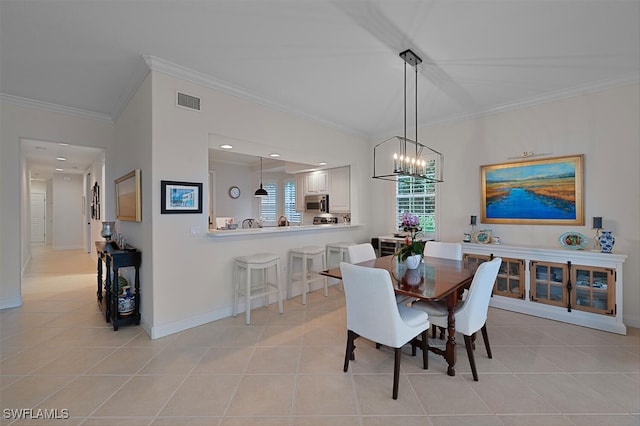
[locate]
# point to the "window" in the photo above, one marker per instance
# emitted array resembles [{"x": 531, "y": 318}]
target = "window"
[
  {"x": 418, "y": 197},
  {"x": 290, "y": 202},
  {"x": 269, "y": 204}
]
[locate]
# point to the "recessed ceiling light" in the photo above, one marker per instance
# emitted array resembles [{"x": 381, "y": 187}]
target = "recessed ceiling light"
[
  {"x": 63, "y": 144},
  {"x": 61, "y": 159},
  {"x": 226, "y": 146},
  {"x": 59, "y": 170},
  {"x": 322, "y": 163},
  {"x": 274, "y": 155}
]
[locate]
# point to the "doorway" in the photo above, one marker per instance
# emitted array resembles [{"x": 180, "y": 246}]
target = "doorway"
[{"x": 38, "y": 218}]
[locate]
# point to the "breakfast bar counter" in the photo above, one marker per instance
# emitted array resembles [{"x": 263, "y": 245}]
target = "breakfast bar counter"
[{"x": 271, "y": 230}]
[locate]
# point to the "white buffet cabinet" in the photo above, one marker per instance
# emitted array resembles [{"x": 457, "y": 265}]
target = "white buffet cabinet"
[{"x": 580, "y": 287}]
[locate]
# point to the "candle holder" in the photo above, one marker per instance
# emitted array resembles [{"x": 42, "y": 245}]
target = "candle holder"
[{"x": 108, "y": 229}]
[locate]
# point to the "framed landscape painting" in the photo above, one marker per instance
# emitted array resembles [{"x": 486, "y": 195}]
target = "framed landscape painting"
[{"x": 542, "y": 192}]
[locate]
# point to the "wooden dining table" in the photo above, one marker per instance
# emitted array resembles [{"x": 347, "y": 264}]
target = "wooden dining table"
[{"x": 436, "y": 279}]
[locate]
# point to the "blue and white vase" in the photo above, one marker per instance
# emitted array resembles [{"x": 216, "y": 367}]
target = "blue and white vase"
[
  {"x": 126, "y": 301},
  {"x": 606, "y": 241}
]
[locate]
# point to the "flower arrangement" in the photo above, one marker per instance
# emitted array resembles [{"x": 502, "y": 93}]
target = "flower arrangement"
[{"x": 410, "y": 223}]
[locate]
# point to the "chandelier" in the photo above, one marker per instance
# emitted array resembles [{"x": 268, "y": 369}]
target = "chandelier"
[{"x": 399, "y": 157}]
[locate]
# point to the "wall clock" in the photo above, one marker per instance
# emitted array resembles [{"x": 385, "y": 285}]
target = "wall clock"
[{"x": 234, "y": 192}]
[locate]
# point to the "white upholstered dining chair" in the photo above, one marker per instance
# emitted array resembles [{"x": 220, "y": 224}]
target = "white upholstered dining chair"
[
  {"x": 363, "y": 252},
  {"x": 359, "y": 253},
  {"x": 372, "y": 313},
  {"x": 470, "y": 314},
  {"x": 443, "y": 250}
]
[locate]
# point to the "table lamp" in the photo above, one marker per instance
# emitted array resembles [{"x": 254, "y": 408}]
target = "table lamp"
[{"x": 597, "y": 225}]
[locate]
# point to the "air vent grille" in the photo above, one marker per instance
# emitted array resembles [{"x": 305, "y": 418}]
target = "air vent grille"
[{"x": 188, "y": 101}]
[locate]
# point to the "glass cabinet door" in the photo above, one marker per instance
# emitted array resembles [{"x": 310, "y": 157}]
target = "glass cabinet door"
[
  {"x": 594, "y": 290},
  {"x": 548, "y": 283},
  {"x": 510, "y": 280}
]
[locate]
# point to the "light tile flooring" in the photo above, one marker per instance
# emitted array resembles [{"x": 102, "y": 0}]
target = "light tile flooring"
[{"x": 56, "y": 352}]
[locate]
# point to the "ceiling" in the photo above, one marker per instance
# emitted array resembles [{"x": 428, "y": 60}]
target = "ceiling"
[
  {"x": 45, "y": 158},
  {"x": 335, "y": 62}
]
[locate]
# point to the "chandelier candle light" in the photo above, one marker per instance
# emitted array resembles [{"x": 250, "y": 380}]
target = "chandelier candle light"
[{"x": 410, "y": 158}]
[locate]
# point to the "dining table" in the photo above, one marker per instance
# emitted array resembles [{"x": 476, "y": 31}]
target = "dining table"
[{"x": 435, "y": 279}]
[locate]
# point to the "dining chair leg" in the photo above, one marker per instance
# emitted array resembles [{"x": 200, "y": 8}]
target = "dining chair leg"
[
  {"x": 472, "y": 362},
  {"x": 425, "y": 350},
  {"x": 396, "y": 371},
  {"x": 485, "y": 337},
  {"x": 349, "y": 353}
]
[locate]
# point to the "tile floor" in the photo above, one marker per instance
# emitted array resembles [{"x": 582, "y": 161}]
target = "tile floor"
[{"x": 57, "y": 353}]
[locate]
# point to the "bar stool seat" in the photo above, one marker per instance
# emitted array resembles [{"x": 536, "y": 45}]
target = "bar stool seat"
[
  {"x": 253, "y": 288},
  {"x": 310, "y": 257}
]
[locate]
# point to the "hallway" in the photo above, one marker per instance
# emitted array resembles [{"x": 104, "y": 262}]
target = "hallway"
[{"x": 57, "y": 353}]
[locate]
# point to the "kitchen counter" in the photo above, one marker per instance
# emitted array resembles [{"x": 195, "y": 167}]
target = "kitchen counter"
[{"x": 256, "y": 232}]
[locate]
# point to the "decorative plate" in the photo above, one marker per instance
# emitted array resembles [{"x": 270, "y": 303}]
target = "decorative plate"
[
  {"x": 573, "y": 240},
  {"x": 483, "y": 237}
]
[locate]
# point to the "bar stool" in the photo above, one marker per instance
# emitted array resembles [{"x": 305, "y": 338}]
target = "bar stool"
[
  {"x": 340, "y": 249},
  {"x": 250, "y": 264},
  {"x": 308, "y": 256}
]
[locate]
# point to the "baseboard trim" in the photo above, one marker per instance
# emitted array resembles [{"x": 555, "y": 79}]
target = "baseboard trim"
[
  {"x": 159, "y": 331},
  {"x": 13, "y": 302}
]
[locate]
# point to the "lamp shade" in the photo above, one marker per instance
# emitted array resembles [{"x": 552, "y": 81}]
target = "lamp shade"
[
  {"x": 261, "y": 192},
  {"x": 597, "y": 222}
]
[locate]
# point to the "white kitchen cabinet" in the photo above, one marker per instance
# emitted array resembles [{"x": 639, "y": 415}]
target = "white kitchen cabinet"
[
  {"x": 339, "y": 192},
  {"x": 317, "y": 182}
]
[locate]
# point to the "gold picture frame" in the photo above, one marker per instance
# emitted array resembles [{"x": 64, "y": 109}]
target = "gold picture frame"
[
  {"x": 535, "y": 192},
  {"x": 128, "y": 197}
]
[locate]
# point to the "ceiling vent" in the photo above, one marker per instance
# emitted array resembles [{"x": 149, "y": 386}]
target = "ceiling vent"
[{"x": 188, "y": 101}]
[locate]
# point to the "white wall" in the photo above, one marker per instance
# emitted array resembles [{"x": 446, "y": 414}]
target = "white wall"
[
  {"x": 243, "y": 177},
  {"x": 22, "y": 122},
  {"x": 199, "y": 269},
  {"x": 133, "y": 150},
  {"x": 604, "y": 126}
]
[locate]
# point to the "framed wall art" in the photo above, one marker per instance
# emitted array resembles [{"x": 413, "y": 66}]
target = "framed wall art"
[
  {"x": 128, "y": 205},
  {"x": 180, "y": 197},
  {"x": 543, "y": 192}
]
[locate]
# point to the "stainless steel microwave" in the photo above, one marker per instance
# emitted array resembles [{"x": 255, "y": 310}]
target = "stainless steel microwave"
[{"x": 316, "y": 203}]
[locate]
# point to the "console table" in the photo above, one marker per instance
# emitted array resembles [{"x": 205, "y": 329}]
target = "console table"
[
  {"x": 114, "y": 258},
  {"x": 580, "y": 287}
]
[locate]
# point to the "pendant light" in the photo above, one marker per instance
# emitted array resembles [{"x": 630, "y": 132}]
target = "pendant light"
[
  {"x": 261, "y": 192},
  {"x": 400, "y": 157}
]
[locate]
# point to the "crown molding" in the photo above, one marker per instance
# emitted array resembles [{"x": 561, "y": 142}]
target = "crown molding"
[
  {"x": 184, "y": 73},
  {"x": 47, "y": 106},
  {"x": 541, "y": 99}
]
